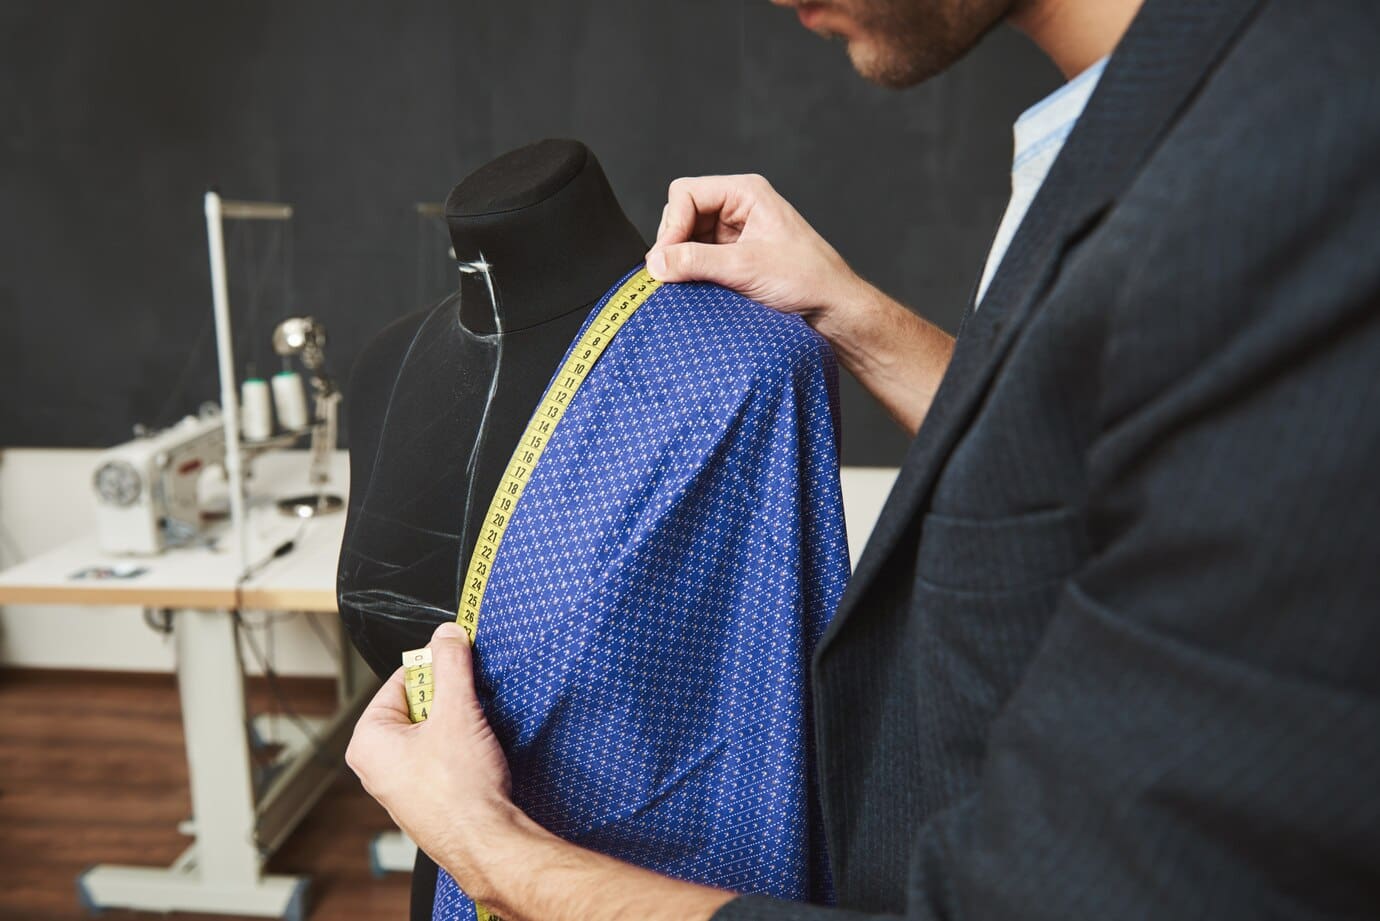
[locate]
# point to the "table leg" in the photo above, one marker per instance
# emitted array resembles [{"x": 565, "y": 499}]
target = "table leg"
[{"x": 222, "y": 872}]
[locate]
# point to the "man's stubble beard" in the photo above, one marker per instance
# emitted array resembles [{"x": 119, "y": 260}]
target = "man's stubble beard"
[{"x": 909, "y": 41}]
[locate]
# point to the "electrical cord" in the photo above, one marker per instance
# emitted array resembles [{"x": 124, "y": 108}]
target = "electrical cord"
[
  {"x": 315, "y": 751},
  {"x": 270, "y": 619},
  {"x": 271, "y": 675},
  {"x": 265, "y": 661},
  {"x": 164, "y": 627}
]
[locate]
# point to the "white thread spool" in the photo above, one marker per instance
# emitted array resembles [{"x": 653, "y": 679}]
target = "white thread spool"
[
  {"x": 256, "y": 409},
  {"x": 291, "y": 400}
]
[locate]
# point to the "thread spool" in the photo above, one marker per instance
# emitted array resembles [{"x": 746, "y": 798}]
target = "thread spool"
[
  {"x": 291, "y": 400},
  {"x": 256, "y": 409}
]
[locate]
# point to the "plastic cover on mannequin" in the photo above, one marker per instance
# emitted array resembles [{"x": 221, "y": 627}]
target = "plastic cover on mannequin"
[{"x": 644, "y": 647}]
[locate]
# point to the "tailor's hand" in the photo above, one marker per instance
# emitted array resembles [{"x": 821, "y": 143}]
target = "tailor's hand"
[
  {"x": 444, "y": 781},
  {"x": 737, "y": 231}
]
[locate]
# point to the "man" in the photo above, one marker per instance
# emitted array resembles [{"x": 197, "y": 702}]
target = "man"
[{"x": 1112, "y": 648}]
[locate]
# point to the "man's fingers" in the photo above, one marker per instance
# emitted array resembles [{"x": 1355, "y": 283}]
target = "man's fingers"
[
  {"x": 707, "y": 208},
  {"x": 721, "y": 264},
  {"x": 687, "y": 200},
  {"x": 386, "y": 712},
  {"x": 389, "y": 704},
  {"x": 452, "y": 668}
]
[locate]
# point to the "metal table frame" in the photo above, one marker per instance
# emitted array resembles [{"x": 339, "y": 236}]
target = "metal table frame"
[{"x": 235, "y": 829}]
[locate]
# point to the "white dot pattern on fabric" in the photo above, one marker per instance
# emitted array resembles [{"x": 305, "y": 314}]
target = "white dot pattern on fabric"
[{"x": 643, "y": 652}]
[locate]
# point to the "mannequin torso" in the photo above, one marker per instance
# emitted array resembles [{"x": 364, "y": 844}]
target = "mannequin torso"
[
  {"x": 646, "y": 634},
  {"x": 438, "y": 400}
]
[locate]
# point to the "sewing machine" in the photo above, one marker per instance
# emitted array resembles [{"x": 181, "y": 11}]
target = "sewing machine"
[
  {"x": 147, "y": 489},
  {"x": 152, "y": 496},
  {"x": 305, "y": 338}
]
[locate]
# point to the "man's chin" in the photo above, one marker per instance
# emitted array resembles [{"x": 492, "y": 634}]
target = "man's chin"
[{"x": 877, "y": 65}]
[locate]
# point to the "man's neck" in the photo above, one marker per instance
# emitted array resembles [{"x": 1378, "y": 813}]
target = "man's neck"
[{"x": 1075, "y": 33}]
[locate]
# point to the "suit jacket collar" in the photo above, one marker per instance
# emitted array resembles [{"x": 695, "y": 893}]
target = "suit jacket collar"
[{"x": 1159, "y": 64}]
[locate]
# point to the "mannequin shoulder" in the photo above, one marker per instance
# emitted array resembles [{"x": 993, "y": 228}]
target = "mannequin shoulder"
[
  {"x": 375, "y": 369},
  {"x": 383, "y": 354}
]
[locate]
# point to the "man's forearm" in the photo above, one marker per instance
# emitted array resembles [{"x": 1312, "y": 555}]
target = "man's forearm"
[
  {"x": 528, "y": 874},
  {"x": 899, "y": 357}
]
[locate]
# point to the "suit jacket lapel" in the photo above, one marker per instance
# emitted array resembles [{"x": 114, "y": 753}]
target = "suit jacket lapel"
[{"x": 1160, "y": 62}]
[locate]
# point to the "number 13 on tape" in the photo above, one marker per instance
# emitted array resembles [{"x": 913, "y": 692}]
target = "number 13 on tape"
[
  {"x": 622, "y": 304},
  {"x": 594, "y": 339}
]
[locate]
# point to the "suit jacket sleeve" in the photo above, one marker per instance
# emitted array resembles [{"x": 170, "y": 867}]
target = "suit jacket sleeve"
[{"x": 1199, "y": 732}]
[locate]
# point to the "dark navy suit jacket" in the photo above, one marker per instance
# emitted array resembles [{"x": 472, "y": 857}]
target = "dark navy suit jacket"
[{"x": 1113, "y": 650}]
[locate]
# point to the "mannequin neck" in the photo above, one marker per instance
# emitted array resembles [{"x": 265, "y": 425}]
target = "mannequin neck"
[{"x": 538, "y": 234}]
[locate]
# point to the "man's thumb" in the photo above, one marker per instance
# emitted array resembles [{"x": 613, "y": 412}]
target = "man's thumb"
[
  {"x": 450, "y": 630},
  {"x": 716, "y": 262},
  {"x": 452, "y": 666}
]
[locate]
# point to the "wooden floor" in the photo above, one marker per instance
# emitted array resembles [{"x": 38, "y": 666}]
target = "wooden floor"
[{"x": 92, "y": 771}]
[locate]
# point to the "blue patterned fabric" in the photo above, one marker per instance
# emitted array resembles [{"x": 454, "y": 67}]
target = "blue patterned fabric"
[{"x": 643, "y": 651}]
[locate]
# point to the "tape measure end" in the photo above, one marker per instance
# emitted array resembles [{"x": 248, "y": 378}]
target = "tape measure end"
[{"x": 415, "y": 657}]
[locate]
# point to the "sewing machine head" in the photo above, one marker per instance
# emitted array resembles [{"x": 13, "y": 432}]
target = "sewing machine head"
[{"x": 147, "y": 489}]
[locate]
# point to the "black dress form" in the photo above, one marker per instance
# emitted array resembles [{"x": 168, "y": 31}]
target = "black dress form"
[{"x": 438, "y": 400}]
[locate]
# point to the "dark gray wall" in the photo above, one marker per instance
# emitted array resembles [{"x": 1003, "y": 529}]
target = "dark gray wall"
[{"x": 117, "y": 116}]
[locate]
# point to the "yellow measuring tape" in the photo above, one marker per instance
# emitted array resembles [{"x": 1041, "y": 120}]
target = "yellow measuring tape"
[{"x": 631, "y": 295}]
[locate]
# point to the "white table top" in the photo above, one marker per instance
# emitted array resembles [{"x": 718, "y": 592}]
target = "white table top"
[
  {"x": 193, "y": 577},
  {"x": 303, "y": 580},
  {"x": 206, "y": 577}
]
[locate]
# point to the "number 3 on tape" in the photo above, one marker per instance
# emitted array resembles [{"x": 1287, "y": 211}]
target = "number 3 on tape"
[
  {"x": 418, "y": 683},
  {"x": 420, "y": 692}
]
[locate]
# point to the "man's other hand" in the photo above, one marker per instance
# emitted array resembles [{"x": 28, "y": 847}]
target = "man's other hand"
[{"x": 444, "y": 781}]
